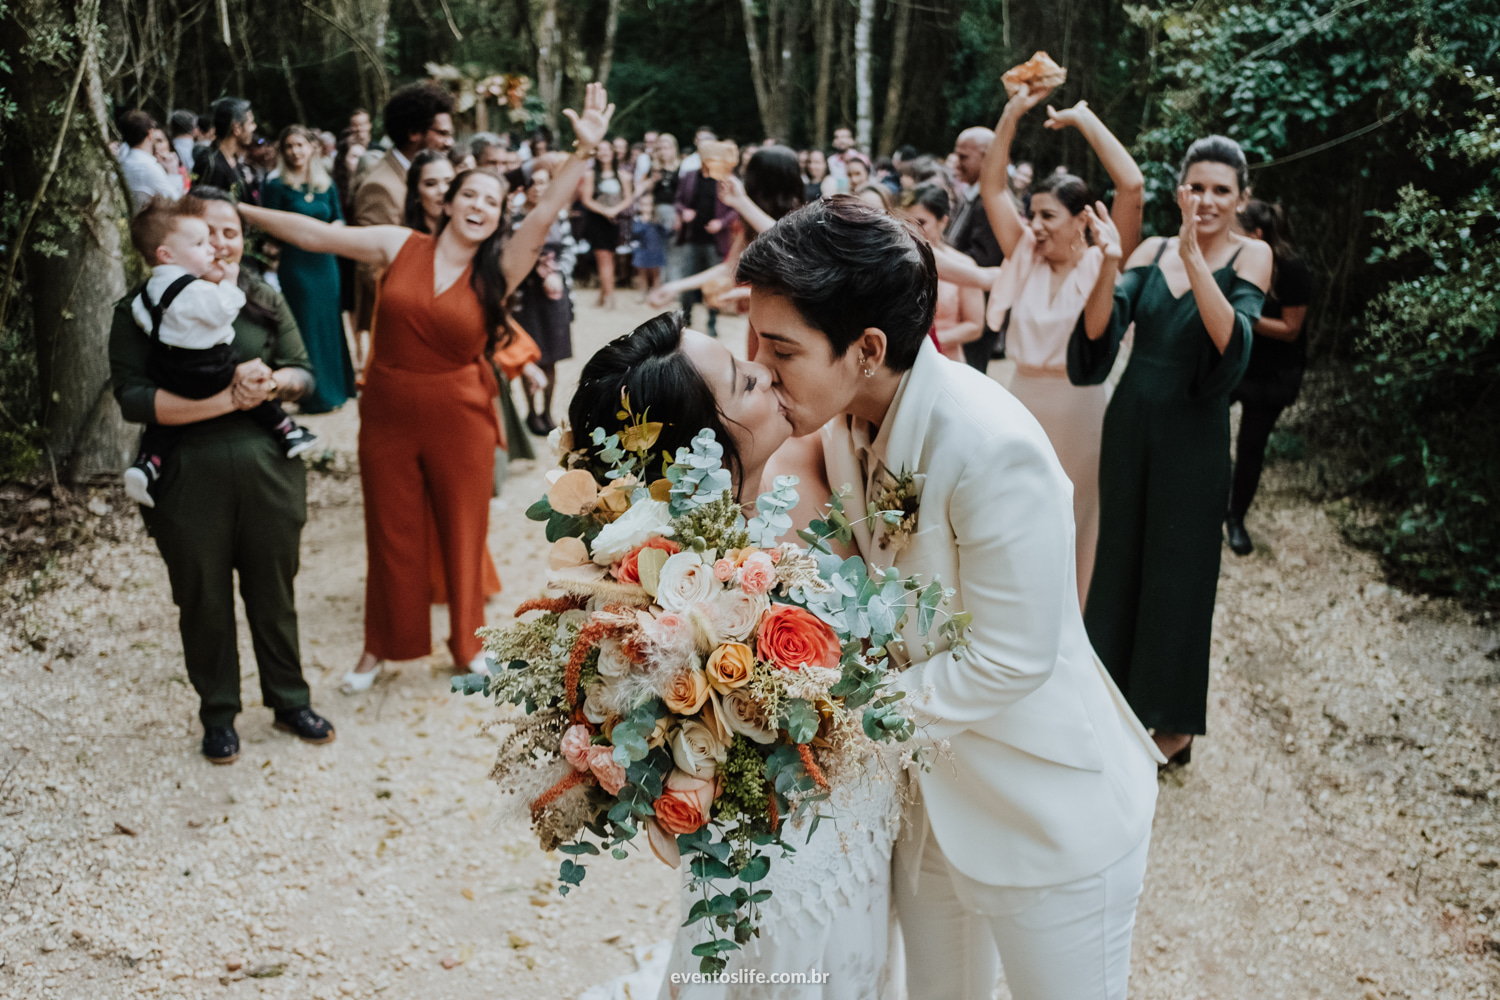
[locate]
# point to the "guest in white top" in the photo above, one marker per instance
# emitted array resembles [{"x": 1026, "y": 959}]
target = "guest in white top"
[
  {"x": 143, "y": 173},
  {"x": 1050, "y": 267}
]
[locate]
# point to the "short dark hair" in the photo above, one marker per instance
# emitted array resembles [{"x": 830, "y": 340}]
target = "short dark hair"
[
  {"x": 135, "y": 125},
  {"x": 648, "y": 364},
  {"x": 1073, "y": 192},
  {"x": 847, "y": 267},
  {"x": 205, "y": 124},
  {"x": 773, "y": 180},
  {"x": 933, "y": 197},
  {"x": 359, "y": 111},
  {"x": 1217, "y": 149},
  {"x": 412, "y": 109},
  {"x": 908, "y": 152},
  {"x": 182, "y": 123},
  {"x": 158, "y": 218},
  {"x": 229, "y": 112}
]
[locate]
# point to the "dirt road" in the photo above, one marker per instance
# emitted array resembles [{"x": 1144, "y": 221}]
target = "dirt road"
[{"x": 1335, "y": 835}]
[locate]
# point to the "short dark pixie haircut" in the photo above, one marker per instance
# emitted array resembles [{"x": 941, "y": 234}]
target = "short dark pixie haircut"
[{"x": 848, "y": 267}]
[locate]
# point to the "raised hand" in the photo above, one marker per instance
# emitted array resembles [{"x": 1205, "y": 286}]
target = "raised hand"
[
  {"x": 1073, "y": 116},
  {"x": 1025, "y": 100},
  {"x": 1102, "y": 228},
  {"x": 593, "y": 124},
  {"x": 1187, "y": 236},
  {"x": 732, "y": 192}
]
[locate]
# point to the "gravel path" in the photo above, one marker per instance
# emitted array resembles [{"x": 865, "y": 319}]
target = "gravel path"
[{"x": 1335, "y": 836}]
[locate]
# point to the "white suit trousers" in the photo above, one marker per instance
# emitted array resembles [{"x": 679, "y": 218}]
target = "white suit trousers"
[{"x": 1064, "y": 942}]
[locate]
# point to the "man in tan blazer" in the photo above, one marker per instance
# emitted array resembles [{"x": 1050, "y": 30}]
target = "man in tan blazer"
[{"x": 418, "y": 116}]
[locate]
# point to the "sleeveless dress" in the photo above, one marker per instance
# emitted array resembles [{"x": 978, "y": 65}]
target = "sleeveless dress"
[
  {"x": 1163, "y": 488},
  {"x": 427, "y": 439},
  {"x": 1037, "y": 340}
]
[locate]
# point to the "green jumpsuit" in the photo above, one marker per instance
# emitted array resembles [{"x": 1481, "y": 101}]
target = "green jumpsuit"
[
  {"x": 228, "y": 500},
  {"x": 1163, "y": 487}
]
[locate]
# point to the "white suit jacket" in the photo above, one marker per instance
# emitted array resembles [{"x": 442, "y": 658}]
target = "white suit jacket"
[{"x": 1047, "y": 776}]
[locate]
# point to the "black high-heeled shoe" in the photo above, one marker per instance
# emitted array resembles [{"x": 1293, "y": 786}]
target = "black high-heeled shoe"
[{"x": 1180, "y": 758}]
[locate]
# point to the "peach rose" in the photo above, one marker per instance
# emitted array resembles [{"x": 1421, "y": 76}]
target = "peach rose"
[
  {"x": 757, "y": 574},
  {"x": 627, "y": 569},
  {"x": 723, "y": 570},
  {"x": 791, "y": 637},
  {"x": 607, "y": 770},
  {"x": 684, "y": 803},
  {"x": 729, "y": 666},
  {"x": 686, "y": 692},
  {"x": 575, "y": 746}
]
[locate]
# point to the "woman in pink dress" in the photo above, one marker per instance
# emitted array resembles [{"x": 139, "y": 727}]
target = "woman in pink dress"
[
  {"x": 1050, "y": 268},
  {"x": 959, "y": 318}
]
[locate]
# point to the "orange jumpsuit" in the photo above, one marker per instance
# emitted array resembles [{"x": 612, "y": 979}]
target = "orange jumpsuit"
[{"x": 427, "y": 438}]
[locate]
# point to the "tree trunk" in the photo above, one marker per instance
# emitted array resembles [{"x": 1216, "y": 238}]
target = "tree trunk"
[
  {"x": 75, "y": 283},
  {"x": 823, "y": 11},
  {"x": 901, "y": 36},
  {"x": 549, "y": 63},
  {"x": 863, "y": 92},
  {"x": 773, "y": 66},
  {"x": 607, "y": 58}
]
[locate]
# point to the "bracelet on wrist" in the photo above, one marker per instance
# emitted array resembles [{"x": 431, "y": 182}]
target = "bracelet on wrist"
[{"x": 582, "y": 152}]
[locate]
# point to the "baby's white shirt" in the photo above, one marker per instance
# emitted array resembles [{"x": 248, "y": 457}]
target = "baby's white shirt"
[{"x": 198, "y": 318}]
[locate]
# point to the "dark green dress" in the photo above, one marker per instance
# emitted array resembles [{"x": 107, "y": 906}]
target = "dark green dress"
[
  {"x": 1163, "y": 486},
  {"x": 228, "y": 501},
  {"x": 310, "y": 282}
]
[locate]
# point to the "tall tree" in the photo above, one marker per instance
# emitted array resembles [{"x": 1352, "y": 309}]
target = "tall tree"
[
  {"x": 773, "y": 66},
  {"x": 864, "y": 92},
  {"x": 550, "y": 59},
  {"x": 607, "y": 57},
  {"x": 66, "y": 245},
  {"x": 823, "y": 11},
  {"x": 900, "y": 40}
]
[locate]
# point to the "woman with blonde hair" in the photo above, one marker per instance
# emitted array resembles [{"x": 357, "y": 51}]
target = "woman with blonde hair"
[{"x": 310, "y": 281}]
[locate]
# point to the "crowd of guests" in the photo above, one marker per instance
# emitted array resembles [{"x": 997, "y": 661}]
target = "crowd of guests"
[{"x": 1032, "y": 267}]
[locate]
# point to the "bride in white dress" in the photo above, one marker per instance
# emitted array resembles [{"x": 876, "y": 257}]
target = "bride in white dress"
[{"x": 829, "y": 915}]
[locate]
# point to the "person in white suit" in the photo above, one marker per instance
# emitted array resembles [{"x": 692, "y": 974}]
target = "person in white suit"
[{"x": 1028, "y": 838}]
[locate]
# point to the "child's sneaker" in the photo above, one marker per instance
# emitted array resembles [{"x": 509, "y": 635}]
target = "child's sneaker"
[
  {"x": 141, "y": 479},
  {"x": 296, "y": 440}
]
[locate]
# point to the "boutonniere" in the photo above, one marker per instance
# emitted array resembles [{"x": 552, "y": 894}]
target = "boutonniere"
[{"x": 893, "y": 508}]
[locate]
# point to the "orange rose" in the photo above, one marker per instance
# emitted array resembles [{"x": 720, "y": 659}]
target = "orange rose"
[
  {"x": 684, "y": 803},
  {"x": 729, "y": 666},
  {"x": 686, "y": 692},
  {"x": 791, "y": 638},
  {"x": 627, "y": 569}
]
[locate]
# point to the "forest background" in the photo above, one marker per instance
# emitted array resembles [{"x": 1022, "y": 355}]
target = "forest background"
[{"x": 1374, "y": 122}]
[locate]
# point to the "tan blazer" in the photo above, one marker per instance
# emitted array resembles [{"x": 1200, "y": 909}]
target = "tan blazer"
[
  {"x": 378, "y": 201},
  {"x": 1046, "y": 776}
]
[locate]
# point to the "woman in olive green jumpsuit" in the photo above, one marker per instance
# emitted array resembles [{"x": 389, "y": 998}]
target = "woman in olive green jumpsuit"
[
  {"x": 1164, "y": 470},
  {"x": 229, "y": 501}
]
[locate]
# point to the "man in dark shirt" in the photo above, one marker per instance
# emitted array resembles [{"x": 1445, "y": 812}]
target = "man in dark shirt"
[
  {"x": 969, "y": 231},
  {"x": 703, "y": 236},
  {"x": 223, "y": 165}
]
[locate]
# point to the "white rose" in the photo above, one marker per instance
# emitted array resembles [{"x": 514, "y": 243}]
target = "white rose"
[
  {"x": 685, "y": 580},
  {"x": 644, "y": 519},
  {"x": 696, "y": 750},
  {"x": 612, "y": 659},
  {"x": 736, "y": 613},
  {"x": 743, "y": 714},
  {"x": 593, "y": 704}
]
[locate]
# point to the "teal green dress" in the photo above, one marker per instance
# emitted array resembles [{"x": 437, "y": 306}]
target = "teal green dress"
[
  {"x": 310, "y": 282},
  {"x": 1163, "y": 489}
]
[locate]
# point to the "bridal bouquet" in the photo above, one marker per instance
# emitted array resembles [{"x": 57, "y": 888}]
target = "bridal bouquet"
[{"x": 698, "y": 680}]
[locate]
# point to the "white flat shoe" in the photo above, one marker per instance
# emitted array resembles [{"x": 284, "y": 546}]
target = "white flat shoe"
[
  {"x": 357, "y": 683},
  {"x": 480, "y": 664}
]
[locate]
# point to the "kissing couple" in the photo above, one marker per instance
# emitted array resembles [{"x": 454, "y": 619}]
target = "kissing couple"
[{"x": 1023, "y": 841}]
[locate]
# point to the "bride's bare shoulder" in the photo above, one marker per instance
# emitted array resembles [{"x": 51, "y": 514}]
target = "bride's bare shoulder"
[{"x": 801, "y": 457}]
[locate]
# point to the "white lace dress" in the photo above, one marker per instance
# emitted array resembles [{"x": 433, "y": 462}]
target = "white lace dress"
[{"x": 829, "y": 911}]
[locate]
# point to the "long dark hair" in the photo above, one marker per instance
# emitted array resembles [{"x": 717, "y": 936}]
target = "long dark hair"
[
  {"x": 1270, "y": 219},
  {"x": 649, "y": 366},
  {"x": 485, "y": 276},
  {"x": 773, "y": 180},
  {"x": 1217, "y": 149},
  {"x": 412, "y": 216}
]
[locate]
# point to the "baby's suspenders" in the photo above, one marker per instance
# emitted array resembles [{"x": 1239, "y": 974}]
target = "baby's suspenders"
[{"x": 158, "y": 309}]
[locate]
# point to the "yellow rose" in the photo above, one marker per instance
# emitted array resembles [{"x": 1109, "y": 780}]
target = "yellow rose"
[
  {"x": 686, "y": 692},
  {"x": 729, "y": 666}
]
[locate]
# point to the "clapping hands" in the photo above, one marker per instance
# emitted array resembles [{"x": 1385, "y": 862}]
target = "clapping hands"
[
  {"x": 1102, "y": 228},
  {"x": 593, "y": 124},
  {"x": 1187, "y": 236}
]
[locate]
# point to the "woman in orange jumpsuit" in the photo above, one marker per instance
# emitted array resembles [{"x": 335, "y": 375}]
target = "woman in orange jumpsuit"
[{"x": 428, "y": 429}]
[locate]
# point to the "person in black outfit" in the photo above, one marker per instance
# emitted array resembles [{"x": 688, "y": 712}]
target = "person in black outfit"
[
  {"x": 969, "y": 231},
  {"x": 1278, "y": 356},
  {"x": 225, "y": 165}
]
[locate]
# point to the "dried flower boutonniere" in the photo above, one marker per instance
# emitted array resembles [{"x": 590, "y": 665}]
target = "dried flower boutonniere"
[{"x": 893, "y": 508}]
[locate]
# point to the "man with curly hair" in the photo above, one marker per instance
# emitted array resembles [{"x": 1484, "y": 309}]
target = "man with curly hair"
[{"x": 418, "y": 116}]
